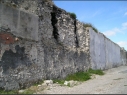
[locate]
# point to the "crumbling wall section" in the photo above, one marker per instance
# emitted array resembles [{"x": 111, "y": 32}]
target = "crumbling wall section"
[
  {"x": 65, "y": 27},
  {"x": 18, "y": 48},
  {"x": 18, "y": 61},
  {"x": 37, "y": 42},
  {"x": 61, "y": 56}
]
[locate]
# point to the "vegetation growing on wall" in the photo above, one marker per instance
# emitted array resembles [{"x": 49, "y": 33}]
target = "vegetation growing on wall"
[
  {"x": 90, "y": 25},
  {"x": 73, "y": 15}
]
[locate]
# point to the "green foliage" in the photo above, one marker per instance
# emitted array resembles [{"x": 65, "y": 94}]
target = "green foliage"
[
  {"x": 58, "y": 81},
  {"x": 98, "y": 72},
  {"x": 68, "y": 85},
  {"x": 87, "y": 25},
  {"x": 80, "y": 76},
  {"x": 8, "y": 92},
  {"x": 73, "y": 15},
  {"x": 95, "y": 29},
  {"x": 28, "y": 91},
  {"x": 90, "y": 25}
]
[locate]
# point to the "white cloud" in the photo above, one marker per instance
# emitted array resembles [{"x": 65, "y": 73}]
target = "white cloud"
[
  {"x": 122, "y": 43},
  {"x": 111, "y": 32},
  {"x": 125, "y": 14},
  {"x": 124, "y": 26}
]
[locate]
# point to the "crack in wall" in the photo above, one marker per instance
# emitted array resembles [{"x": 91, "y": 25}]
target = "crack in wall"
[
  {"x": 54, "y": 22},
  {"x": 75, "y": 32}
]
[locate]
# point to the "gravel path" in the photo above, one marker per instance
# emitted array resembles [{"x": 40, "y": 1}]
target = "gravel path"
[{"x": 113, "y": 82}]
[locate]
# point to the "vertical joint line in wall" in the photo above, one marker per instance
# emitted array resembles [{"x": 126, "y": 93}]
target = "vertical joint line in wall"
[
  {"x": 89, "y": 56},
  {"x": 1, "y": 15},
  {"x": 18, "y": 21},
  {"x": 105, "y": 52},
  {"x": 75, "y": 32}
]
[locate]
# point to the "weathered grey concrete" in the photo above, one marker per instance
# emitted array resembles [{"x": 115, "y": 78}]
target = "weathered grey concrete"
[
  {"x": 111, "y": 50},
  {"x": 97, "y": 50},
  {"x": 104, "y": 53},
  {"x": 123, "y": 56},
  {"x": 22, "y": 24},
  {"x": 9, "y": 17},
  {"x": 0, "y": 13}
]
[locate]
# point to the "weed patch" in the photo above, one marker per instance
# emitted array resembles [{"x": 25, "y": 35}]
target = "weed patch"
[
  {"x": 98, "y": 72},
  {"x": 73, "y": 15},
  {"x": 8, "y": 92},
  {"x": 58, "y": 81},
  {"x": 28, "y": 91},
  {"x": 90, "y": 25},
  {"x": 80, "y": 76}
]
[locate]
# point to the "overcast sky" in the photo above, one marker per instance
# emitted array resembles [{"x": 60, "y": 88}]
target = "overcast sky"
[{"x": 109, "y": 17}]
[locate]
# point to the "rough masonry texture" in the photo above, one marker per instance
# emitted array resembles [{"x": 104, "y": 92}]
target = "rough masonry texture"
[{"x": 39, "y": 41}]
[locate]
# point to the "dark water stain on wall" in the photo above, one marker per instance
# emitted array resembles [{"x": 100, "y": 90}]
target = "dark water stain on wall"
[{"x": 13, "y": 60}]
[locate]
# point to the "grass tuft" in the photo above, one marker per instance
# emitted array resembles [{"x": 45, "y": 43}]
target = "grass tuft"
[
  {"x": 8, "y": 92},
  {"x": 61, "y": 81},
  {"x": 90, "y": 25},
  {"x": 80, "y": 76},
  {"x": 73, "y": 15},
  {"x": 98, "y": 72},
  {"x": 28, "y": 91}
]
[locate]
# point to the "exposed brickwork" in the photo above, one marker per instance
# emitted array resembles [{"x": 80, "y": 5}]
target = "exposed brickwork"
[{"x": 6, "y": 38}]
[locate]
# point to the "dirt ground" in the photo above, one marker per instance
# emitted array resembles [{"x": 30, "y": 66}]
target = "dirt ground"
[{"x": 113, "y": 82}]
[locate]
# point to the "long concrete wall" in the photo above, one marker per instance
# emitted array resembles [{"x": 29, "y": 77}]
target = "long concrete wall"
[
  {"x": 104, "y": 53},
  {"x": 39, "y": 41}
]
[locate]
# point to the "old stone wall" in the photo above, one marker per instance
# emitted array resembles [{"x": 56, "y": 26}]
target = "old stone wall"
[{"x": 39, "y": 41}]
